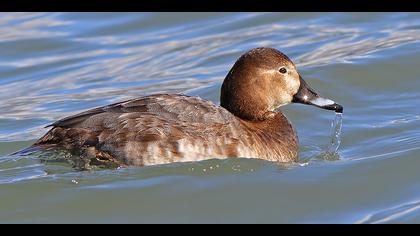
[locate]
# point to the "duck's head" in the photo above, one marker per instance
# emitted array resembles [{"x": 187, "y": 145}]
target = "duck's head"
[{"x": 262, "y": 80}]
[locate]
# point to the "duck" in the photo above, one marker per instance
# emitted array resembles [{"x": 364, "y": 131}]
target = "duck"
[{"x": 168, "y": 128}]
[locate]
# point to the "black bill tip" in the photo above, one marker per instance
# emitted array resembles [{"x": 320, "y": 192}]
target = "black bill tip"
[{"x": 334, "y": 107}]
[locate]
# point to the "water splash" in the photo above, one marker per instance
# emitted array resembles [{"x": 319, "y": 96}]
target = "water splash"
[
  {"x": 335, "y": 133},
  {"x": 330, "y": 153}
]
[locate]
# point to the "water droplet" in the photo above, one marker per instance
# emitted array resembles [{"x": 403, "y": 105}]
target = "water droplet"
[{"x": 335, "y": 133}]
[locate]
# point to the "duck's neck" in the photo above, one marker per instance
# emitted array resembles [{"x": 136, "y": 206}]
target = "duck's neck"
[
  {"x": 275, "y": 136},
  {"x": 247, "y": 110},
  {"x": 275, "y": 127},
  {"x": 272, "y": 122},
  {"x": 237, "y": 98}
]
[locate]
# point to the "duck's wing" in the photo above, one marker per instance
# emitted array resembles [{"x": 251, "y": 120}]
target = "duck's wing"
[
  {"x": 174, "y": 107},
  {"x": 154, "y": 129}
]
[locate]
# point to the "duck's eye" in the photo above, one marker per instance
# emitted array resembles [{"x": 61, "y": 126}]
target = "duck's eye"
[{"x": 283, "y": 70}]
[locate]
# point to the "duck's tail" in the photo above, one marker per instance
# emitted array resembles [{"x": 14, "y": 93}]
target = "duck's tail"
[{"x": 31, "y": 149}]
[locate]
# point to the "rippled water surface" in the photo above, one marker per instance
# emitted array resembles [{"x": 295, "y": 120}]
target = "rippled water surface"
[{"x": 56, "y": 64}]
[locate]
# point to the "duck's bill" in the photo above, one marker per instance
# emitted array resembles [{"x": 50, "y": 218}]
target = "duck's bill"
[{"x": 307, "y": 95}]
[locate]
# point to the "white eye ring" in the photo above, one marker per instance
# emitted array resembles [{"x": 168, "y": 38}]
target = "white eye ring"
[{"x": 283, "y": 70}]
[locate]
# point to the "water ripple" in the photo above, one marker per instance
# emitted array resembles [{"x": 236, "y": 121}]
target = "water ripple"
[{"x": 394, "y": 214}]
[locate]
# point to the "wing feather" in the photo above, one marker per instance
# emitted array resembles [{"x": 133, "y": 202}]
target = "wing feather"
[{"x": 176, "y": 107}]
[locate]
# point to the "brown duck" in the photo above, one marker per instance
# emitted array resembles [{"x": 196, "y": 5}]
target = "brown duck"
[{"x": 166, "y": 128}]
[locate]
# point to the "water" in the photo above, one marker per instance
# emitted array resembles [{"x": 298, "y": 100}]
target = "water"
[
  {"x": 336, "y": 133},
  {"x": 55, "y": 64}
]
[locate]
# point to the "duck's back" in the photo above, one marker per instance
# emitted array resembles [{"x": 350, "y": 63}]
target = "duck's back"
[{"x": 154, "y": 129}]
